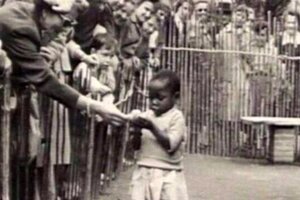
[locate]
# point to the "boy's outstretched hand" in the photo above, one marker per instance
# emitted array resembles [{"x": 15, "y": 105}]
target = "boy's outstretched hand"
[{"x": 143, "y": 122}]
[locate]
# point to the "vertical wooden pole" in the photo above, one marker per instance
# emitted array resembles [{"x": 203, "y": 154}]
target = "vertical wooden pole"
[
  {"x": 89, "y": 165},
  {"x": 5, "y": 138}
]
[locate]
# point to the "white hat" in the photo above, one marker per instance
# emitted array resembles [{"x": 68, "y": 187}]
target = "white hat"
[{"x": 62, "y": 6}]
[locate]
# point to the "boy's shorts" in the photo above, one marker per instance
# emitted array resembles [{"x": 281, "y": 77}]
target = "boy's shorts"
[{"x": 158, "y": 184}]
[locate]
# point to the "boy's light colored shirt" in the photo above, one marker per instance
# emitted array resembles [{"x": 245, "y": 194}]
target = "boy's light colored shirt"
[{"x": 152, "y": 154}]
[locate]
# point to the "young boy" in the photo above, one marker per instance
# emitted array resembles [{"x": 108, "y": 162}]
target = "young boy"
[
  {"x": 102, "y": 80},
  {"x": 159, "y": 173}
]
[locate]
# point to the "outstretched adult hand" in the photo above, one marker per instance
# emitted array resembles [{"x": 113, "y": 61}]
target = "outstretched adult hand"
[{"x": 111, "y": 114}]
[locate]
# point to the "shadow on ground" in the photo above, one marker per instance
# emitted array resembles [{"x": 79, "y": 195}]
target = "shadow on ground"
[{"x": 215, "y": 178}]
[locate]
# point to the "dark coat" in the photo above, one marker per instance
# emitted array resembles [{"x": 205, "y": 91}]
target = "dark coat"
[
  {"x": 88, "y": 20},
  {"x": 21, "y": 37}
]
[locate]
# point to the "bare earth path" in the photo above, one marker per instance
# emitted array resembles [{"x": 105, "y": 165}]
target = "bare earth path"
[{"x": 214, "y": 178}]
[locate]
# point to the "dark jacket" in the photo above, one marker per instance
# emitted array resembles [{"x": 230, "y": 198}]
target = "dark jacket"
[
  {"x": 88, "y": 20},
  {"x": 21, "y": 37}
]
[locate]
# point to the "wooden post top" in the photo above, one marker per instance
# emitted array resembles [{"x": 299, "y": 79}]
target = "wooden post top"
[{"x": 273, "y": 121}]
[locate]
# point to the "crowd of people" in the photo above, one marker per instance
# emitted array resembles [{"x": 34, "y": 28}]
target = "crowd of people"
[
  {"x": 57, "y": 46},
  {"x": 100, "y": 47}
]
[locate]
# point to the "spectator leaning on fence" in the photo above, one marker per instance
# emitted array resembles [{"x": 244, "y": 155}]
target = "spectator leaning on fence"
[
  {"x": 143, "y": 50},
  {"x": 121, "y": 12},
  {"x": 202, "y": 34},
  {"x": 161, "y": 133},
  {"x": 21, "y": 25},
  {"x": 181, "y": 21},
  {"x": 21, "y": 30},
  {"x": 131, "y": 38},
  {"x": 98, "y": 13},
  {"x": 162, "y": 11}
]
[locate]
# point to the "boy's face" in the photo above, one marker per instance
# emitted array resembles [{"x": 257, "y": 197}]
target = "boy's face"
[
  {"x": 105, "y": 57},
  {"x": 161, "y": 98}
]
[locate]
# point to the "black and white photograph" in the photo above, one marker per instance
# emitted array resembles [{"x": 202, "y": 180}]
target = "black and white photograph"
[{"x": 149, "y": 99}]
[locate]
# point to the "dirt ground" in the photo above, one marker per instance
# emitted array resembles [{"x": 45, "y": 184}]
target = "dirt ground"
[{"x": 215, "y": 178}]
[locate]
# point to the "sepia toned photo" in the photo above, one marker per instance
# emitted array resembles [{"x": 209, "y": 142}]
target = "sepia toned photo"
[{"x": 149, "y": 99}]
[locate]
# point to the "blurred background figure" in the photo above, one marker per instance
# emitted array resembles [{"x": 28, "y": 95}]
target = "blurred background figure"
[
  {"x": 162, "y": 11},
  {"x": 261, "y": 70},
  {"x": 236, "y": 37},
  {"x": 202, "y": 33},
  {"x": 224, "y": 10},
  {"x": 250, "y": 19},
  {"x": 288, "y": 42},
  {"x": 181, "y": 22}
]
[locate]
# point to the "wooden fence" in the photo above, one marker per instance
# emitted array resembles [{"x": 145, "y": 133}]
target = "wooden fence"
[
  {"x": 226, "y": 73},
  {"x": 59, "y": 153}
]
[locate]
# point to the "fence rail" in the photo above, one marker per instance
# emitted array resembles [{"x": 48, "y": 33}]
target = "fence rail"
[
  {"x": 59, "y": 152},
  {"x": 227, "y": 73}
]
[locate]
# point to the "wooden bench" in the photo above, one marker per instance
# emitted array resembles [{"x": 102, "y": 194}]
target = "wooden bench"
[{"x": 282, "y": 137}]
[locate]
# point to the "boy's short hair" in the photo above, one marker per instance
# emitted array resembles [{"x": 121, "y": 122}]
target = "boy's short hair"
[
  {"x": 107, "y": 41},
  {"x": 173, "y": 81}
]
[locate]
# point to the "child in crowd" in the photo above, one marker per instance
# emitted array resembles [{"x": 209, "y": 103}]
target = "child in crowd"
[
  {"x": 159, "y": 172},
  {"x": 102, "y": 79}
]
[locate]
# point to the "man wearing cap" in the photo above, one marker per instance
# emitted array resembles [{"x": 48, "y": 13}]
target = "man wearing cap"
[
  {"x": 21, "y": 27},
  {"x": 21, "y": 30}
]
